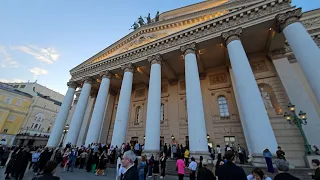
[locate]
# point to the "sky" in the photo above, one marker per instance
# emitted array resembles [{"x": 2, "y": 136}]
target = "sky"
[{"x": 43, "y": 40}]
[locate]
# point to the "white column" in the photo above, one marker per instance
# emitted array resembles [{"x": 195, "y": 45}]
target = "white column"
[
  {"x": 196, "y": 122},
  {"x": 152, "y": 140},
  {"x": 121, "y": 120},
  {"x": 255, "y": 115},
  {"x": 62, "y": 116},
  {"x": 299, "y": 97},
  {"x": 99, "y": 109},
  {"x": 77, "y": 118},
  {"x": 107, "y": 117},
  {"x": 303, "y": 47}
]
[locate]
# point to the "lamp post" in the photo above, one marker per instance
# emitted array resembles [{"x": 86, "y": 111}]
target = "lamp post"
[
  {"x": 208, "y": 137},
  {"x": 293, "y": 119},
  {"x": 65, "y": 131},
  {"x": 172, "y": 137}
]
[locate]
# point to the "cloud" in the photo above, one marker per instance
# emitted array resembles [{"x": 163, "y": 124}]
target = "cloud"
[
  {"x": 14, "y": 80},
  {"x": 7, "y": 60},
  {"x": 38, "y": 72},
  {"x": 47, "y": 55}
]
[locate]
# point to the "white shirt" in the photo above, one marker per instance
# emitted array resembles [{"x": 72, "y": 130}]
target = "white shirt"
[
  {"x": 250, "y": 177},
  {"x": 193, "y": 166},
  {"x": 218, "y": 150}
]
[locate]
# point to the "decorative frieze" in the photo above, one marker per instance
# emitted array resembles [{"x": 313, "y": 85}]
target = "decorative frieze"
[
  {"x": 127, "y": 67},
  {"x": 164, "y": 88},
  {"x": 139, "y": 93},
  {"x": 258, "y": 67},
  {"x": 106, "y": 74},
  {"x": 198, "y": 33},
  {"x": 232, "y": 35},
  {"x": 218, "y": 79},
  {"x": 188, "y": 48},
  {"x": 155, "y": 59},
  {"x": 287, "y": 18}
]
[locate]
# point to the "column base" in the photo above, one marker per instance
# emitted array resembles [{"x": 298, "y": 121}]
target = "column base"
[
  {"x": 196, "y": 155},
  {"x": 149, "y": 153},
  {"x": 257, "y": 160}
]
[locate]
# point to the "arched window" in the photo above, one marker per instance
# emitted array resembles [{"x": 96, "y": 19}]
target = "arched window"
[
  {"x": 138, "y": 114},
  {"x": 223, "y": 106},
  {"x": 162, "y": 112}
]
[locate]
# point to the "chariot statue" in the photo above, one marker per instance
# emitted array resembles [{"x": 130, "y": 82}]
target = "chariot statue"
[
  {"x": 134, "y": 26},
  {"x": 141, "y": 21}
]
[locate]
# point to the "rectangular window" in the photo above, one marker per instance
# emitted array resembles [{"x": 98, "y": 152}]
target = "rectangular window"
[
  {"x": 11, "y": 118},
  {"x": 7, "y": 100},
  {"x": 19, "y": 102},
  {"x": 22, "y": 86},
  {"x": 230, "y": 140},
  {"x": 5, "y": 130},
  {"x": 16, "y": 86}
]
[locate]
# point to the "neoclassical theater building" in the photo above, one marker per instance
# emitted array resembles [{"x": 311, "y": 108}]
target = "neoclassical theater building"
[{"x": 213, "y": 73}]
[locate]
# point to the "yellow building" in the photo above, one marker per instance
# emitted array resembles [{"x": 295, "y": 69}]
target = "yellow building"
[{"x": 14, "y": 106}]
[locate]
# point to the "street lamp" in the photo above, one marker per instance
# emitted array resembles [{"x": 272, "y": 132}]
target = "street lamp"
[
  {"x": 208, "y": 137},
  {"x": 65, "y": 131},
  {"x": 172, "y": 137},
  {"x": 293, "y": 119}
]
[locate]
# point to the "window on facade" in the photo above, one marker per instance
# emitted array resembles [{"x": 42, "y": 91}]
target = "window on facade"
[
  {"x": 161, "y": 141},
  {"x": 223, "y": 106},
  {"x": 48, "y": 130},
  {"x": 19, "y": 102},
  {"x": 162, "y": 112},
  {"x": 5, "y": 130},
  {"x": 7, "y": 100},
  {"x": 22, "y": 86},
  {"x": 138, "y": 114},
  {"x": 36, "y": 126},
  {"x": 16, "y": 86},
  {"x": 230, "y": 140},
  {"x": 11, "y": 118},
  {"x": 39, "y": 126},
  {"x": 32, "y": 125}
]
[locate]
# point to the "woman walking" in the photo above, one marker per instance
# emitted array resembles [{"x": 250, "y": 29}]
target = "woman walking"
[
  {"x": 102, "y": 161},
  {"x": 141, "y": 167},
  {"x": 156, "y": 168},
  {"x": 65, "y": 160},
  {"x": 163, "y": 161},
  {"x": 268, "y": 157},
  {"x": 180, "y": 167}
]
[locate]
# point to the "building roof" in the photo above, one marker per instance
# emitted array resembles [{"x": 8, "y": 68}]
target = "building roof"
[{"x": 10, "y": 88}]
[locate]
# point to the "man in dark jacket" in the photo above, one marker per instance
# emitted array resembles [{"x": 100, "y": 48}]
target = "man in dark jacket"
[
  {"x": 229, "y": 171},
  {"x": 48, "y": 171},
  {"x": 203, "y": 172},
  {"x": 128, "y": 162},
  {"x": 23, "y": 158}
]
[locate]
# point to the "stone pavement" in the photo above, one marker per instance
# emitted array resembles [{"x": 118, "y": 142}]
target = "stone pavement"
[{"x": 79, "y": 174}]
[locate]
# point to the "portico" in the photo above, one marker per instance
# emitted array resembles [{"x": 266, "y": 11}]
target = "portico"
[{"x": 199, "y": 81}]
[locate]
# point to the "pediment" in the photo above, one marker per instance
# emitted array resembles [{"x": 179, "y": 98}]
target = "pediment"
[{"x": 165, "y": 27}]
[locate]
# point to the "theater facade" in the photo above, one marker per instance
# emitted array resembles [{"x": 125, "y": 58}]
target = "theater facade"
[{"x": 219, "y": 72}]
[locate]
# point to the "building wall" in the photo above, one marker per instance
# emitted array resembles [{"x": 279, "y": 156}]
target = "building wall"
[
  {"x": 13, "y": 109},
  {"x": 221, "y": 130}
]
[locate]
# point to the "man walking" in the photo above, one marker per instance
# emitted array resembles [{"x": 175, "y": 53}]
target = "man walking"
[
  {"x": 229, "y": 171},
  {"x": 128, "y": 162}
]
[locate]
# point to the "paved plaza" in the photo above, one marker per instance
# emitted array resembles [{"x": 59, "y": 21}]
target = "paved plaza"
[{"x": 78, "y": 174}]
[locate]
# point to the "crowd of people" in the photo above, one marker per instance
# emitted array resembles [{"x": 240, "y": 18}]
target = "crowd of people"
[{"x": 133, "y": 164}]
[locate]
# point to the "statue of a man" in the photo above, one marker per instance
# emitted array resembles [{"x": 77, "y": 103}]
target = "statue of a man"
[
  {"x": 156, "y": 19},
  {"x": 148, "y": 19},
  {"x": 135, "y": 26},
  {"x": 141, "y": 21},
  {"x": 266, "y": 99}
]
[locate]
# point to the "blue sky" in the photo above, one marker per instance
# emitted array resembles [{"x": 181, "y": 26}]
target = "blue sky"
[{"x": 43, "y": 40}]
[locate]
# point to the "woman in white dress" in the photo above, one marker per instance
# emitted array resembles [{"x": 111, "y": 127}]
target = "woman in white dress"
[{"x": 258, "y": 174}]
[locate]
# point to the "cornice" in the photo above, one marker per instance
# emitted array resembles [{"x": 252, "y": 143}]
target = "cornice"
[
  {"x": 168, "y": 23},
  {"x": 246, "y": 17}
]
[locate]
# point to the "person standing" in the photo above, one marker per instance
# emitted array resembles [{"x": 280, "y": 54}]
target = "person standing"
[
  {"x": 23, "y": 158},
  {"x": 102, "y": 160},
  {"x": 229, "y": 171},
  {"x": 65, "y": 160},
  {"x": 44, "y": 158},
  {"x": 48, "y": 171},
  {"x": 180, "y": 167},
  {"x": 150, "y": 166},
  {"x": 316, "y": 164},
  {"x": 35, "y": 161},
  {"x": 156, "y": 169},
  {"x": 204, "y": 173},
  {"x": 5, "y": 157},
  {"x": 268, "y": 157},
  {"x": 163, "y": 162},
  {"x": 128, "y": 162},
  {"x": 174, "y": 151},
  {"x": 280, "y": 153},
  {"x": 141, "y": 167},
  {"x": 193, "y": 168},
  {"x": 241, "y": 154},
  {"x": 218, "y": 150},
  {"x": 283, "y": 168},
  {"x": 258, "y": 174},
  {"x": 186, "y": 156},
  {"x": 83, "y": 157},
  {"x": 72, "y": 159},
  {"x": 165, "y": 148}
]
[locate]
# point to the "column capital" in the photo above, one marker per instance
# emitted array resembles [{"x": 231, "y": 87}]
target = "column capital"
[
  {"x": 106, "y": 74},
  {"x": 231, "y": 35},
  {"x": 87, "y": 79},
  {"x": 188, "y": 48},
  {"x": 128, "y": 67},
  {"x": 72, "y": 84},
  {"x": 287, "y": 18},
  {"x": 155, "y": 59}
]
